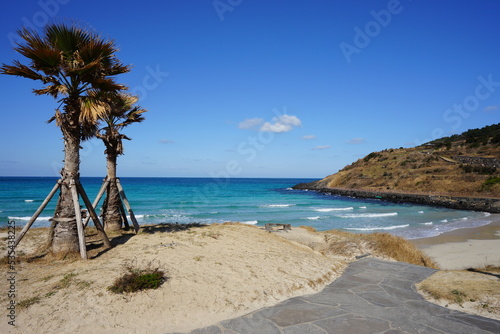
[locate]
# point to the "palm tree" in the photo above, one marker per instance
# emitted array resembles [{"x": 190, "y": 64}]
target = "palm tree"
[
  {"x": 76, "y": 66},
  {"x": 121, "y": 113}
]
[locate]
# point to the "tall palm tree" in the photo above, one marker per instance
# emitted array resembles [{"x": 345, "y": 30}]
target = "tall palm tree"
[
  {"x": 122, "y": 112},
  {"x": 75, "y": 66}
]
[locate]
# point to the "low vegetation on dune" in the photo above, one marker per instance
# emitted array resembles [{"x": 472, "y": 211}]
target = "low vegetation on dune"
[
  {"x": 476, "y": 288},
  {"x": 462, "y": 165},
  {"x": 338, "y": 243}
]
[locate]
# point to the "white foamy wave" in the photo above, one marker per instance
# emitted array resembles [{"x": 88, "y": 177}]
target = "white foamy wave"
[
  {"x": 250, "y": 222},
  {"x": 428, "y": 223},
  {"x": 29, "y": 200},
  {"x": 486, "y": 214},
  {"x": 333, "y": 209},
  {"x": 289, "y": 188},
  {"x": 377, "y": 228},
  {"x": 312, "y": 218},
  {"x": 420, "y": 212},
  {"x": 28, "y": 218},
  {"x": 444, "y": 221},
  {"x": 368, "y": 215},
  {"x": 362, "y": 207},
  {"x": 276, "y": 205}
]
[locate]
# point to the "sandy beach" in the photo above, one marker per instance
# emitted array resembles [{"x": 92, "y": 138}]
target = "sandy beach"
[
  {"x": 465, "y": 248},
  {"x": 215, "y": 272}
]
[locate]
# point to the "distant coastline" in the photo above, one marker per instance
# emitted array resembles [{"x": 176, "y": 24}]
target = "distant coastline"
[{"x": 485, "y": 204}]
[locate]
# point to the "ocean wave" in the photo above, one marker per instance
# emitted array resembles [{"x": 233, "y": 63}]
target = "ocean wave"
[
  {"x": 420, "y": 212},
  {"x": 444, "y": 220},
  {"x": 362, "y": 207},
  {"x": 276, "y": 205},
  {"x": 312, "y": 218},
  {"x": 377, "y": 228},
  {"x": 29, "y": 217},
  {"x": 486, "y": 214},
  {"x": 334, "y": 209},
  {"x": 250, "y": 222},
  {"x": 29, "y": 200},
  {"x": 368, "y": 215},
  {"x": 428, "y": 223}
]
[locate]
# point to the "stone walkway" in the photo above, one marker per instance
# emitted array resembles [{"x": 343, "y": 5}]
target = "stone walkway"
[{"x": 372, "y": 296}]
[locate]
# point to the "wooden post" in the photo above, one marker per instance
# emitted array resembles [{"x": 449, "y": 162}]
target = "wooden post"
[
  {"x": 98, "y": 198},
  {"x": 127, "y": 204},
  {"x": 38, "y": 212},
  {"x": 124, "y": 215},
  {"x": 92, "y": 214},
  {"x": 79, "y": 224}
]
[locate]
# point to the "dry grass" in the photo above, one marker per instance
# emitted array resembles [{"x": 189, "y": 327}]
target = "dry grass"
[
  {"x": 478, "y": 289},
  {"x": 379, "y": 244},
  {"x": 308, "y": 228},
  {"x": 417, "y": 170}
]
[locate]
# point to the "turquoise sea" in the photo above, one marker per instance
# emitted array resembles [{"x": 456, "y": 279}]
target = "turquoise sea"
[{"x": 246, "y": 200}]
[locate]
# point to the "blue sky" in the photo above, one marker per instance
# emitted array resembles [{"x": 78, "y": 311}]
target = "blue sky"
[{"x": 266, "y": 88}]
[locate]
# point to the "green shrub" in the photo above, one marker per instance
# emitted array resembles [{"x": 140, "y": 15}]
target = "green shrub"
[
  {"x": 138, "y": 279},
  {"x": 490, "y": 182},
  {"x": 371, "y": 155}
]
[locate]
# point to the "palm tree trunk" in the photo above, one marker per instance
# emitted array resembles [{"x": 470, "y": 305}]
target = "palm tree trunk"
[
  {"x": 65, "y": 237},
  {"x": 112, "y": 215}
]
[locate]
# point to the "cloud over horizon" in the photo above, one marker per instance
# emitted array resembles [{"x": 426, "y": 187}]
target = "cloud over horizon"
[
  {"x": 356, "y": 141},
  {"x": 250, "y": 123},
  {"x": 283, "y": 123},
  {"x": 308, "y": 137},
  {"x": 491, "y": 108},
  {"x": 322, "y": 147},
  {"x": 278, "y": 124}
]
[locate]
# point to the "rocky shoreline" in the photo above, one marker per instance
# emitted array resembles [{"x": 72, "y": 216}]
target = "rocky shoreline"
[{"x": 484, "y": 204}]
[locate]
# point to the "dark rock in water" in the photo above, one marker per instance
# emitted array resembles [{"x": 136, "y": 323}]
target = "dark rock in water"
[{"x": 485, "y": 204}]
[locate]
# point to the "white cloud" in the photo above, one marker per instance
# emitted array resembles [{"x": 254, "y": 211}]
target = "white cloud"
[
  {"x": 250, "y": 123},
  {"x": 309, "y": 137},
  {"x": 166, "y": 141},
  {"x": 356, "y": 141},
  {"x": 283, "y": 123},
  {"x": 491, "y": 108},
  {"x": 323, "y": 147}
]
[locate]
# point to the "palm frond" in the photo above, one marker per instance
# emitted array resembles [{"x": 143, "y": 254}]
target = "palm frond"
[
  {"x": 53, "y": 90},
  {"x": 92, "y": 108},
  {"x": 21, "y": 70}
]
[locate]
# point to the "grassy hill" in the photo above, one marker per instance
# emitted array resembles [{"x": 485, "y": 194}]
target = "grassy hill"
[{"x": 461, "y": 165}]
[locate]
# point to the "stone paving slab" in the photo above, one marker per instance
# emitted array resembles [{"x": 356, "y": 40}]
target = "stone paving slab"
[{"x": 372, "y": 296}]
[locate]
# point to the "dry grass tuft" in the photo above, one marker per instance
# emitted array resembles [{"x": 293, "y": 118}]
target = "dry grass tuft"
[
  {"x": 399, "y": 249},
  {"x": 380, "y": 244},
  {"x": 308, "y": 228},
  {"x": 480, "y": 288}
]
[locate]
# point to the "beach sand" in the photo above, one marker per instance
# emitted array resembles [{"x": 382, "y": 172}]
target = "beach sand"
[
  {"x": 462, "y": 255},
  {"x": 465, "y": 248},
  {"x": 215, "y": 272}
]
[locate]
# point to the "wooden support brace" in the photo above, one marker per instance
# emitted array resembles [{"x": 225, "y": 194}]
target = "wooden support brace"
[
  {"x": 38, "y": 212},
  {"x": 124, "y": 215},
  {"x": 98, "y": 198},
  {"x": 92, "y": 214},
  {"x": 79, "y": 223},
  {"x": 127, "y": 204}
]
